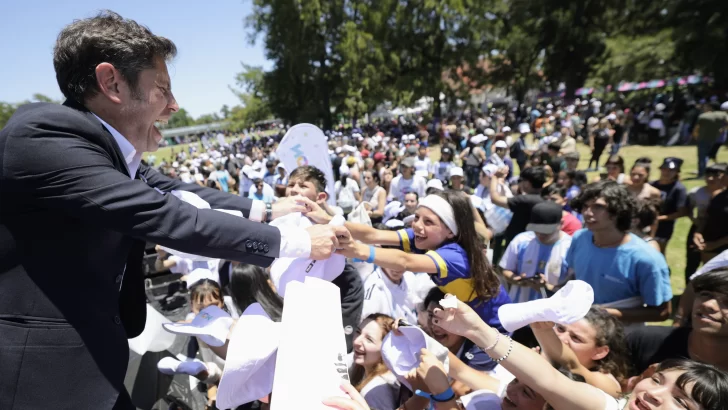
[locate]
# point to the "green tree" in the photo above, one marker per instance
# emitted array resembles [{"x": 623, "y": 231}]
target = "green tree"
[
  {"x": 701, "y": 37},
  {"x": 6, "y": 111},
  {"x": 225, "y": 111},
  {"x": 207, "y": 118},
  {"x": 251, "y": 91},
  {"x": 180, "y": 119}
]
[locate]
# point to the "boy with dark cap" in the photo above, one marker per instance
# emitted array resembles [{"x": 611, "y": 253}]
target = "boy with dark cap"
[{"x": 674, "y": 200}]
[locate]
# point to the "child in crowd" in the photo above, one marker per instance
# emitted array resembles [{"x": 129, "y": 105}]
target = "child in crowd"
[
  {"x": 443, "y": 243},
  {"x": 369, "y": 375}
]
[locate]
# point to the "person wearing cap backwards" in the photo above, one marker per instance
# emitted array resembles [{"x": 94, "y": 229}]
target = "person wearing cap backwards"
[
  {"x": 674, "y": 200},
  {"x": 406, "y": 181},
  {"x": 535, "y": 261},
  {"x": 710, "y": 126},
  {"x": 78, "y": 207}
]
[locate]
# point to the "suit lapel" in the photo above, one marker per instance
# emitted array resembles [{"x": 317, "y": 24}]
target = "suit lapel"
[{"x": 107, "y": 140}]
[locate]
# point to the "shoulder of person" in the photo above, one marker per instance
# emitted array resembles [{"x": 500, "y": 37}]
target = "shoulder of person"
[
  {"x": 51, "y": 116},
  {"x": 521, "y": 238}
]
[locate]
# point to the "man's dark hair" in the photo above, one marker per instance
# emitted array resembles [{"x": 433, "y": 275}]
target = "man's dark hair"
[
  {"x": 310, "y": 174},
  {"x": 715, "y": 280},
  {"x": 417, "y": 196},
  {"x": 554, "y": 146},
  {"x": 535, "y": 175},
  {"x": 620, "y": 203},
  {"x": 105, "y": 38},
  {"x": 270, "y": 164}
]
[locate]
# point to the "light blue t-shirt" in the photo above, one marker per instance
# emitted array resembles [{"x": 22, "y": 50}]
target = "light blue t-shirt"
[
  {"x": 629, "y": 270},
  {"x": 222, "y": 178}
]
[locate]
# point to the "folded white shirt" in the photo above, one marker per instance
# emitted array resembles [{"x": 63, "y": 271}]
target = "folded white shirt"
[
  {"x": 401, "y": 353},
  {"x": 285, "y": 269},
  {"x": 251, "y": 359},
  {"x": 568, "y": 305},
  {"x": 211, "y": 326}
]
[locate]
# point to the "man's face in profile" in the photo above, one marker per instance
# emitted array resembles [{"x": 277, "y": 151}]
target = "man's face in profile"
[{"x": 150, "y": 102}]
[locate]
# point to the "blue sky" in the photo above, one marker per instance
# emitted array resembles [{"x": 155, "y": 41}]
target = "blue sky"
[{"x": 210, "y": 36}]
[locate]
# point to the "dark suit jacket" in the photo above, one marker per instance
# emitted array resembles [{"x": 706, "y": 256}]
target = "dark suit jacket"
[{"x": 72, "y": 230}]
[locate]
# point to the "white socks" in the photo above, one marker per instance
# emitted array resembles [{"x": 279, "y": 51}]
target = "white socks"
[{"x": 569, "y": 304}]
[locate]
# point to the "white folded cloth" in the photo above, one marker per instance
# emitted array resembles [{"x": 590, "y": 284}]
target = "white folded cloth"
[
  {"x": 200, "y": 274},
  {"x": 481, "y": 400},
  {"x": 171, "y": 366},
  {"x": 211, "y": 326},
  {"x": 251, "y": 359},
  {"x": 310, "y": 368},
  {"x": 569, "y": 304},
  {"x": 401, "y": 353},
  {"x": 286, "y": 270}
]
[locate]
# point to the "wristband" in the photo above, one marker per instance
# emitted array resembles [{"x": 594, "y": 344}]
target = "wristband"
[
  {"x": 371, "y": 256},
  {"x": 268, "y": 212},
  {"x": 443, "y": 397}
]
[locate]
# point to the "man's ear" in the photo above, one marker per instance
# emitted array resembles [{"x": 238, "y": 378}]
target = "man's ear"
[
  {"x": 321, "y": 197},
  {"x": 109, "y": 82}
]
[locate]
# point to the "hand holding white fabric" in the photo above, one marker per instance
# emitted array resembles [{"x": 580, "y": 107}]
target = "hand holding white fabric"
[
  {"x": 401, "y": 351},
  {"x": 569, "y": 304},
  {"x": 461, "y": 320},
  {"x": 288, "y": 205}
]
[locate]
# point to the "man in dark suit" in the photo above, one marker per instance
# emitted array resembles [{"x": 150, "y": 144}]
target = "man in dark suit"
[{"x": 76, "y": 207}]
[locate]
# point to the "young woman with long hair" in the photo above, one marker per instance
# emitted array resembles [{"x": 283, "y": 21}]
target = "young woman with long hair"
[
  {"x": 593, "y": 347},
  {"x": 639, "y": 175},
  {"x": 250, "y": 284},
  {"x": 442, "y": 242},
  {"x": 374, "y": 196},
  {"x": 369, "y": 375}
]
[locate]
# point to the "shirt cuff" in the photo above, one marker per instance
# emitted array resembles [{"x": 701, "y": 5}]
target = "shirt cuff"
[
  {"x": 257, "y": 211},
  {"x": 295, "y": 242}
]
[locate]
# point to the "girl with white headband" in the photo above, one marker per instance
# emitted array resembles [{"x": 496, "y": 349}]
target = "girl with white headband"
[{"x": 441, "y": 242}]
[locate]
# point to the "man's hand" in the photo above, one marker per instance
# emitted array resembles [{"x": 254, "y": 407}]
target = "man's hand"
[
  {"x": 501, "y": 172},
  {"x": 289, "y": 205},
  {"x": 325, "y": 239},
  {"x": 699, "y": 241},
  {"x": 315, "y": 212}
]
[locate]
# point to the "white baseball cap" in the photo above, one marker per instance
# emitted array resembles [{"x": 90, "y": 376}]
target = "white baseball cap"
[
  {"x": 391, "y": 210},
  {"x": 456, "y": 172},
  {"x": 506, "y": 129},
  {"x": 501, "y": 144},
  {"x": 401, "y": 352},
  {"x": 435, "y": 183},
  {"x": 394, "y": 223},
  {"x": 489, "y": 132},
  {"x": 211, "y": 326},
  {"x": 478, "y": 139},
  {"x": 200, "y": 274},
  {"x": 490, "y": 169},
  {"x": 251, "y": 359}
]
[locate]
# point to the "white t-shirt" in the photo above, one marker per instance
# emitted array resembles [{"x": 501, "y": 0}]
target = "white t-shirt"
[
  {"x": 400, "y": 187},
  {"x": 525, "y": 254},
  {"x": 381, "y": 295},
  {"x": 422, "y": 166},
  {"x": 345, "y": 197}
]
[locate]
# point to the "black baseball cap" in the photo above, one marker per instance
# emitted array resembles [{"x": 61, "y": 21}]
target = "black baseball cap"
[
  {"x": 545, "y": 218},
  {"x": 672, "y": 163}
]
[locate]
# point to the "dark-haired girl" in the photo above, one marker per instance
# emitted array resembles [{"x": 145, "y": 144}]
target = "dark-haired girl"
[
  {"x": 443, "y": 243},
  {"x": 593, "y": 347},
  {"x": 250, "y": 284}
]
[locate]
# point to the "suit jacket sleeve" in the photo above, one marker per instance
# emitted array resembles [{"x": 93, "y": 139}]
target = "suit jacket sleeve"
[
  {"x": 216, "y": 198},
  {"x": 62, "y": 171}
]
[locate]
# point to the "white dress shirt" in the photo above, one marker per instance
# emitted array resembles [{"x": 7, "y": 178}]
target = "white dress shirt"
[{"x": 295, "y": 242}]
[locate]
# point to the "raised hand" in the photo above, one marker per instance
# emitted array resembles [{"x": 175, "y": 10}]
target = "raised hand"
[
  {"x": 325, "y": 240},
  {"x": 289, "y": 205},
  {"x": 461, "y": 320}
]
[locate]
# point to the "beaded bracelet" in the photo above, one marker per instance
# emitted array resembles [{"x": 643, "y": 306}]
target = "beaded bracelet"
[
  {"x": 510, "y": 348},
  {"x": 497, "y": 338}
]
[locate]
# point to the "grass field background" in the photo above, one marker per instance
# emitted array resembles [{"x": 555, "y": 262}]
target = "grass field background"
[{"x": 676, "y": 247}]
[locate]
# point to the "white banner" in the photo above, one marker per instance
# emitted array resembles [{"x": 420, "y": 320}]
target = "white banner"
[{"x": 305, "y": 144}]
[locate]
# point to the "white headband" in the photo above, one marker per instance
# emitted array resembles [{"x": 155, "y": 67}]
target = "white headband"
[{"x": 441, "y": 208}]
